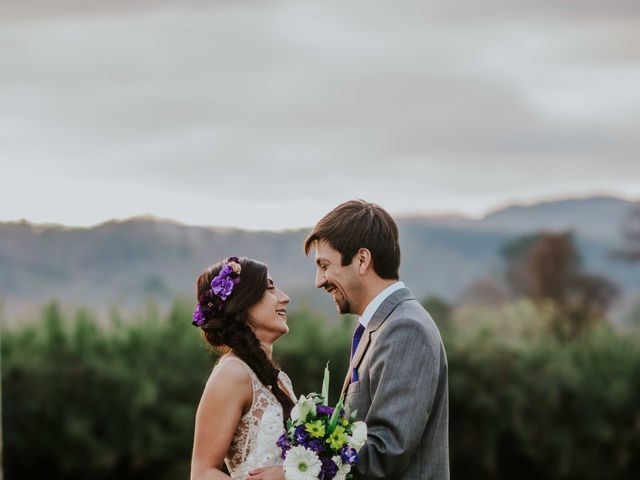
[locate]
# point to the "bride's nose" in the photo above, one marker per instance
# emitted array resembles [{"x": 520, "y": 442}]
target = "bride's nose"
[{"x": 284, "y": 298}]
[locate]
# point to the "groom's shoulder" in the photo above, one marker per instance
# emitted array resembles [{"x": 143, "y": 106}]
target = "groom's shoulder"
[
  {"x": 412, "y": 311},
  {"x": 411, "y": 315},
  {"x": 408, "y": 314}
]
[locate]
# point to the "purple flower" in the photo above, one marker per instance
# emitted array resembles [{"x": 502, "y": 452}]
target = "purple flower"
[
  {"x": 222, "y": 286},
  {"x": 301, "y": 435},
  {"x": 225, "y": 271},
  {"x": 329, "y": 468},
  {"x": 349, "y": 455},
  {"x": 283, "y": 443},
  {"x": 198, "y": 317},
  {"x": 317, "y": 445},
  {"x": 324, "y": 410}
]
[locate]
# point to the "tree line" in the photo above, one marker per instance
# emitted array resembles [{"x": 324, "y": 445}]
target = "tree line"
[{"x": 541, "y": 386}]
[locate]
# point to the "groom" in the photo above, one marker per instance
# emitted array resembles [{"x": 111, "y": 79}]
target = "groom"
[{"x": 397, "y": 379}]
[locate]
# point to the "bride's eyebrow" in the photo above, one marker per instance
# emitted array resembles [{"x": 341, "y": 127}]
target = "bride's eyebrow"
[{"x": 270, "y": 282}]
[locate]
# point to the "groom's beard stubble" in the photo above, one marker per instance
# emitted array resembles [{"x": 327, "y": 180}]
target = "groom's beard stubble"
[
  {"x": 344, "y": 306},
  {"x": 342, "y": 303}
]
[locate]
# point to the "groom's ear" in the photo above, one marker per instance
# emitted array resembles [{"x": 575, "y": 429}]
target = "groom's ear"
[{"x": 363, "y": 259}]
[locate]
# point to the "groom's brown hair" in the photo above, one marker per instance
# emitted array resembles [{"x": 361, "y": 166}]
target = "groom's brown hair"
[{"x": 358, "y": 224}]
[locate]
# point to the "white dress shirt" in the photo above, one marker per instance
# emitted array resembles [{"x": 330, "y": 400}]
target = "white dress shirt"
[{"x": 377, "y": 301}]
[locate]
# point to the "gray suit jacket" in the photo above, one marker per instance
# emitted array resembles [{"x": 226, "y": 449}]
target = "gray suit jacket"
[{"x": 401, "y": 394}]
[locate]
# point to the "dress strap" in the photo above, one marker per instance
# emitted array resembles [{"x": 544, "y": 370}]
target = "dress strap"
[
  {"x": 285, "y": 381},
  {"x": 257, "y": 384}
]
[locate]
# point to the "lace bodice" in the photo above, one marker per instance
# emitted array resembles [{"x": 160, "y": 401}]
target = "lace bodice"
[{"x": 254, "y": 441}]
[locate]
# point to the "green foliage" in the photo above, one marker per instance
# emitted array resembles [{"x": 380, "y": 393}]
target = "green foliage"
[
  {"x": 439, "y": 310},
  {"x": 309, "y": 345},
  {"x": 86, "y": 400},
  {"x": 633, "y": 316},
  {"x": 544, "y": 409}
]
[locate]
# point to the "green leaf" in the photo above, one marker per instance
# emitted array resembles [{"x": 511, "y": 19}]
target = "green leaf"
[
  {"x": 336, "y": 414},
  {"x": 325, "y": 385}
]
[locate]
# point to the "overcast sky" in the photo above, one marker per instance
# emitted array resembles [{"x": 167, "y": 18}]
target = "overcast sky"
[{"x": 266, "y": 114}]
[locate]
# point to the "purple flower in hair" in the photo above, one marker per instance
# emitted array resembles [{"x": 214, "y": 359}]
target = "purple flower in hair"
[
  {"x": 225, "y": 271},
  {"x": 222, "y": 286},
  {"x": 229, "y": 276},
  {"x": 198, "y": 317}
]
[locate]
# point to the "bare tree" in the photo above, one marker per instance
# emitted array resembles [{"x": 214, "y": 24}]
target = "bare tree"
[{"x": 547, "y": 267}]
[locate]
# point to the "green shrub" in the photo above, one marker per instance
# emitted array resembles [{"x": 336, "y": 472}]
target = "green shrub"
[{"x": 117, "y": 401}]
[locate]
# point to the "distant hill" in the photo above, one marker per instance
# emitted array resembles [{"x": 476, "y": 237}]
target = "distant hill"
[
  {"x": 594, "y": 218},
  {"x": 125, "y": 262}
]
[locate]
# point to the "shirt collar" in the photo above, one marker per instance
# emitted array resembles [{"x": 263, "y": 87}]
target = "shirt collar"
[{"x": 377, "y": 301}]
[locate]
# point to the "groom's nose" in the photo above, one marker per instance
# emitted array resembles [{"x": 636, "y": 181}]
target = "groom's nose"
[{"x": 320, "y": 278}]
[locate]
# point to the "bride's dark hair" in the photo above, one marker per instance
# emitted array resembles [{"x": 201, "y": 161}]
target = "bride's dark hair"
[{"x": 229, "y": 329}]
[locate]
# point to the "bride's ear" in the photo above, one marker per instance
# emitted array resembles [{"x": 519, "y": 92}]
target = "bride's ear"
[{"x": 363, "y": 259}]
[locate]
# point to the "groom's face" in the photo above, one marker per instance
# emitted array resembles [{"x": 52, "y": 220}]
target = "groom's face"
[{"x": 341, "y": 282}]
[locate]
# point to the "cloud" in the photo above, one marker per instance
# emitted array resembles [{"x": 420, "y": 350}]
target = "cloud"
[{"x": 424, "y": 104}]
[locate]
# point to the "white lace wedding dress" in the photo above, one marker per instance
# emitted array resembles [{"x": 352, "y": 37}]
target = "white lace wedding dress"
[{"x": 254, "y": 441}]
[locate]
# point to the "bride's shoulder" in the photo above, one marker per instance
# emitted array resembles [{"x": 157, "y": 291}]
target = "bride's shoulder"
[
  {"x": 227, "y": 395},
  {"x": 231, "y": 369},
  {"x": 230, "y": 375}
]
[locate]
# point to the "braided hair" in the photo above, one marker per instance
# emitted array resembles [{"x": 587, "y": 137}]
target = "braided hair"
[{"x": 229, "y": 330}]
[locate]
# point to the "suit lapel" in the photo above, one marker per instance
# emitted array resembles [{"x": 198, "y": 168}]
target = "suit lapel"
[
  {"x": 355, "y": 361},
  {"x": 381, "y": 314}
]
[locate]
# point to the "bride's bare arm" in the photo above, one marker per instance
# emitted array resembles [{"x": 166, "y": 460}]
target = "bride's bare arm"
[{"x": 227, "y": 395}]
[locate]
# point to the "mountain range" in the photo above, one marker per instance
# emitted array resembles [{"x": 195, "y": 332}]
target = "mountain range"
[{"x": 125, "y": 262}]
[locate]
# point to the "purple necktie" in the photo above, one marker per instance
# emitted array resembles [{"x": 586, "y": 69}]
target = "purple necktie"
[{"x": 357, "y": 335}]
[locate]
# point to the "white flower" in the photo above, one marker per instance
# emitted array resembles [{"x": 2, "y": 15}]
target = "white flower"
[
  {"x": 358, "y": 435},
  {"x": 301, "y": 464},
  {"x": 302, "y": 409},
  {"x": 343, "y": 468}
]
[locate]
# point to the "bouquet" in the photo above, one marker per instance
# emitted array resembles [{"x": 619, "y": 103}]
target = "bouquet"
[{"x": 321, "y": 442}]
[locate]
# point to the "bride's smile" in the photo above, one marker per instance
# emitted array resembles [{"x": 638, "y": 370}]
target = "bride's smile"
[{"x": 268, "y": 317}]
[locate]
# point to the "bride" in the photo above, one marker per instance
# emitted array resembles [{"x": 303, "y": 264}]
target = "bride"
[{"x": 246, "y": 398}]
